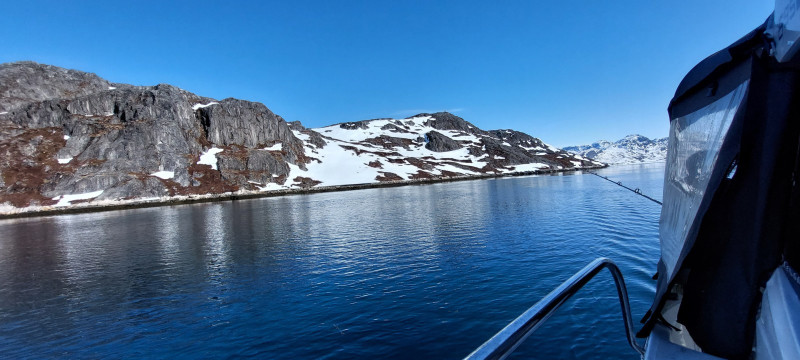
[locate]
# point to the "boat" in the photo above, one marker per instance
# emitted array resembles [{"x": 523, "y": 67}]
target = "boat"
[{"x": 729, "y": 230}]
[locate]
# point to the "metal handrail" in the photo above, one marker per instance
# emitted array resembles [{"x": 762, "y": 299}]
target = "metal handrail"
[{"x": 507, "y": 340}]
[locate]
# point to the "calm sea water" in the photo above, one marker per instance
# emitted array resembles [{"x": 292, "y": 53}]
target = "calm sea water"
[{"x": 411, "y": 272}]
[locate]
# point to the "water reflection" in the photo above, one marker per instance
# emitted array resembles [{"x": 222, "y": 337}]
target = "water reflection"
[
  {"x": 425, "y": 271},
  {"x": 168, "y": 232}
]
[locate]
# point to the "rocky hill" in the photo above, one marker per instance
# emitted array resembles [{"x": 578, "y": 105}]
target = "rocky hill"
[
  {"x": 632, "y": 149},
  {"x": 69, "y": 138}
]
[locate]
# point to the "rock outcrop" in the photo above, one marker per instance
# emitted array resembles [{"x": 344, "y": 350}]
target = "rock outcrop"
[
  {"x": 435, "y": 141},
  {"x": 25, "y": 82},
  {"x": 81, "y": 134}
]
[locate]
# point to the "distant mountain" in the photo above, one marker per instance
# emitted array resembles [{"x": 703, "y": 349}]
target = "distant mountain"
[
  {"x": 632, "y": 149},
  {"x": 70, "y": 138}
]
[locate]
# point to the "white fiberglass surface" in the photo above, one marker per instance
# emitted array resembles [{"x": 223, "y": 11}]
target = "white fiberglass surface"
[
  {"x": 778, "y": 324},
  {"x": 694, "y": 145}
]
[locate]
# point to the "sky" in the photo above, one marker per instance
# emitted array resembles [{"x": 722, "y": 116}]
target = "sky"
[{"x": 568, "y": 72}]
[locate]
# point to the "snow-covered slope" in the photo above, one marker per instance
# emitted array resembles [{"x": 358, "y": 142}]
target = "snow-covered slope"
[
  {"x": 632, "y": 149},
  {"x": 424, "y": 146}
]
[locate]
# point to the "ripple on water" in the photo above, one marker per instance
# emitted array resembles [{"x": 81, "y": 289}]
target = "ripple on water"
[{"x": 417, "y": 271}]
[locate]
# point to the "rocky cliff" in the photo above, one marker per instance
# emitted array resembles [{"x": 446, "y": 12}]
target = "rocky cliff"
[
  {"x": 68, "y": 137},
  {"x": 632, "y": 149}
]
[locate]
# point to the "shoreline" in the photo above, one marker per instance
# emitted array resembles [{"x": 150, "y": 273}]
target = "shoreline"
[{"x": 113, "y": 205}]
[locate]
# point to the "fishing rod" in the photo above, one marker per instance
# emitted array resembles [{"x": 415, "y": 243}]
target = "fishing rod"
[{"x": 635, "y": 191}]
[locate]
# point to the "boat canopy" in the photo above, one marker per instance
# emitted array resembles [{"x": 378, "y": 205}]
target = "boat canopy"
[{"x": 730, "y": 213}]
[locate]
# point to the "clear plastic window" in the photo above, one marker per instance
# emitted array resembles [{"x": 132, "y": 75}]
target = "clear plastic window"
[{"x": 694, "y": 145}]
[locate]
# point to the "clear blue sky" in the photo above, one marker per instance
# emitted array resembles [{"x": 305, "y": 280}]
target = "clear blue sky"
[{"x": 568, "y": 72}]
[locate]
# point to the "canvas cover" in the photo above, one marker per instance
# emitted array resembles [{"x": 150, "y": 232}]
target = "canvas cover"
[{"x": 728, "y": 218}]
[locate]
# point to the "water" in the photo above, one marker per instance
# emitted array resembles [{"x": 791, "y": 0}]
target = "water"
[{"x": 410, "y": 272}]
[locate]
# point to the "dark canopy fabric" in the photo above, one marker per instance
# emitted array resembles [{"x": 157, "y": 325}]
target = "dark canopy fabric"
[
  {"x": 713, "y": 68},
  {"x": 747, "y": 222},
  {"x": 740, "y": 242}
]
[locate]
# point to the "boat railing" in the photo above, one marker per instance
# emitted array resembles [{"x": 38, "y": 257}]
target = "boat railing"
[{"x": 509, "y": 338}]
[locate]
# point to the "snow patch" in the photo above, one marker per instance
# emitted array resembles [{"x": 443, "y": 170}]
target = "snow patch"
[
  {"x": 271, "y": 187},
  {"x": 210, "y": 157},
  {"x": 64, "y": 160},
  {"x": 198, "y": 106},
  {"x": 268, "y": 186},
  {"x": 66, "y": 137},
  {"x": 301, "y": 136},
  {"x": 530, "y": 167},
  {"x": 164, "y": 174},
  {"x": 112, "y": 88},
  {"x": 276, "y": 147},
  {"x": 331, "y": 171},
  {"x": 551, "y": 147},
  {"x": 64, "y": 200}
]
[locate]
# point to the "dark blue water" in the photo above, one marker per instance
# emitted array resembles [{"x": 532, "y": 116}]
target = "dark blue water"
[{"x": 410, "y": 272}]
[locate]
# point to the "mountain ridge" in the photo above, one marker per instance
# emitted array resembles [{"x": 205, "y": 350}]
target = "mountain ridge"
[
  {"x": 632, "y": 149},
  {"x": 70, "y": 138}
]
